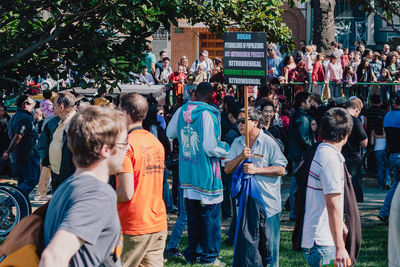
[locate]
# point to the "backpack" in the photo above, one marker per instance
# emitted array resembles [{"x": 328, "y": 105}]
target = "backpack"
[
  {"x": 301, "y": 175},
  {"x": 24, "y": 245}
]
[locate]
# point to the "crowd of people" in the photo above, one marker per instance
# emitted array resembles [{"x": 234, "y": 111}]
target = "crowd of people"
[
  {"x": 199, "y": 138},
  {"x": 339, "y": 72}
]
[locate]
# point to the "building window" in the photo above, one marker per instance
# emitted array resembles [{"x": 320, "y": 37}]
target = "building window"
[
  {"x": 350, "y": 24},
  {"x": 214, "y": 46}
]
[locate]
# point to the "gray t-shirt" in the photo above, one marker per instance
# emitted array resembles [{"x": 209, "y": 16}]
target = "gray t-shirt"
[{"x": 86, "y": 207}]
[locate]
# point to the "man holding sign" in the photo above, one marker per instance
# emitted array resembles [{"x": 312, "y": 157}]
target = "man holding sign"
[{"x": 267, "y": 167}]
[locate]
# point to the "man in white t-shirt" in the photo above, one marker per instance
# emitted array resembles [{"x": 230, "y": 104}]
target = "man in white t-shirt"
[
  {"x": 324, "y": 231},
  {"x": 203, "y": 61}
]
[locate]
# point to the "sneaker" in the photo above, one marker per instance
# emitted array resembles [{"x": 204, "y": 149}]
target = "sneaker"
[
  {"x": 40, "y": 198},
  {"x": 387, "y": 187},
  {"x": 173, "y": 253},
  {"x": 384, "y": 219},
  {"x": 217, "y": 262}
]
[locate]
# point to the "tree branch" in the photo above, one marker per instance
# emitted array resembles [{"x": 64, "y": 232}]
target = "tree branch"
[
  {"x": 388, "y": 22},
  {"x": 10, "y": 80},
  {"x": 36, "y": 45},
  {"x": 83, "y": 13}
]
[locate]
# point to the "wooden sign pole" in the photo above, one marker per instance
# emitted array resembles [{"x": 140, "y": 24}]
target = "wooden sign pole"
[{"x": 246, "y": 114}]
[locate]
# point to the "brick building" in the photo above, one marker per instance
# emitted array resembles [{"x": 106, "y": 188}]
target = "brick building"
[{"x": 189, "y": 40}]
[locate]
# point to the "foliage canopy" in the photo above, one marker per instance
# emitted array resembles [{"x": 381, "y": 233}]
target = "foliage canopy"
[{"x": 105, "y": 39}]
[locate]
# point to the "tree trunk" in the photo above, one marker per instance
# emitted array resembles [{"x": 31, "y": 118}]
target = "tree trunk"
[{"x": 324, "y": 24}]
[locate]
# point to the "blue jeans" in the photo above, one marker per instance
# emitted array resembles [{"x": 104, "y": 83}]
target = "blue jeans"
[
  {"x": 319, "y": 89},
  {"x": 318, "y": 255},
  {"x": 293, "y": 188},
  {"x": 385, "y": 92},
  {"x": 180, "y": 224},
  {"x": 354, "y": 166},
  {"x": 394, "y": 160},
  {"x": 335, "y": 89},
  {"x": 227, "y": 202},
  {"x": 204, "y": 228},
  {"x": 274, "y": 223},
  {"x": 232, "y": 226},
  {"x": 28, "y": 173},
  {"x": 364, "y": 92},
  {"x": 383, "y": 168},
  {"x": 349, "y": 91},
  {"x": 167, "y": 196},
  {"x": 310, "y": 83}
]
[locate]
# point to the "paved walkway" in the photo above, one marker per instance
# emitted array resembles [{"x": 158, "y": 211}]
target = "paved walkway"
[
  {"x": 369, "y": 209},
  {"x": 373, "y": 198}
]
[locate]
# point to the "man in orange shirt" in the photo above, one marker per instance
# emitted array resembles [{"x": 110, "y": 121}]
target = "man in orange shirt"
[{"x": 141, "y": 207}]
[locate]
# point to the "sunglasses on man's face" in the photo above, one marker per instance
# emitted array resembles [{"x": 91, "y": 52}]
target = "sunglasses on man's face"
[{"x": 243, "y": 121}]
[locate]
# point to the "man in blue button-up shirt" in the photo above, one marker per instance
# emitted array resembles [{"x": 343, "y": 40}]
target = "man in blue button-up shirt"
[{"x": 274, "y": 64}]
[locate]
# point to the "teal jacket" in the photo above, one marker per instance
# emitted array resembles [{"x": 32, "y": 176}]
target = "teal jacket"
[{"x": 197, "y": 171}]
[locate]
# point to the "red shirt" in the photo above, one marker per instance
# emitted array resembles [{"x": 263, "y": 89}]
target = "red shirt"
[
  {"x": 318, "y": 73},
  {"x": 176, "y": 77}
]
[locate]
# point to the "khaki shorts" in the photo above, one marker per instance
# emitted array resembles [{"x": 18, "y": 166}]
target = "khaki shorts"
[{"x": 144, "y": 250}]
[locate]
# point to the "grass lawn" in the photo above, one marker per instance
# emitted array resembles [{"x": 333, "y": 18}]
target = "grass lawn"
[{"x": 373, "y": 250}]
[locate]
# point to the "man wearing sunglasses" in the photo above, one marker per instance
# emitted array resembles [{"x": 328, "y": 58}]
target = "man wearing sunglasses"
[
  {"x": 268, "y": 165},
  {"x": 22, "y": 150}
]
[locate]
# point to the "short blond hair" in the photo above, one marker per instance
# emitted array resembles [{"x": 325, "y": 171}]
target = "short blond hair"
[{"x": 90, "y": 130}]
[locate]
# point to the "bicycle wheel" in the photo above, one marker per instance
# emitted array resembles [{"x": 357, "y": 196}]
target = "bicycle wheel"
[
  {"x": 10, "y": 213},
  {"x": 23, "y": 201},
  {"x": 369, "y": 164}
]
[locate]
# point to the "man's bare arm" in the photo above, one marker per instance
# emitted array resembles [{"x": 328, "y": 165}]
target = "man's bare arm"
[
  {"x": 230, "y": 166},
  {"x": 61, "y": 249},
  {"x": 335, "y": 225},
  {"x": 125, "y": 188},
  {"x": 14, "y": 142}
]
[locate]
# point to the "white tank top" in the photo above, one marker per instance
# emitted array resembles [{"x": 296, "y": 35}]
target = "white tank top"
[{"x": 380, "y": 144}]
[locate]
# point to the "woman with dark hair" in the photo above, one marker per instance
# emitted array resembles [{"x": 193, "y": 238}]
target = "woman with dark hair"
[
  {"x": 365, "y": 74},
  {"x": 385, "y": 89},
  {"x": 288, "y": 65},
  {"x": 299, "y": 74},
  {"x": 349, "y": 80},
  {"x": 298, "y": 56},
  {"x": 378, "y": 140},
  {"x": 367, "y": 54},
  {"x": 217, "y": 75},
  {"x": 391, "y": 64},
  {"x": 334, "y": 74}
]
